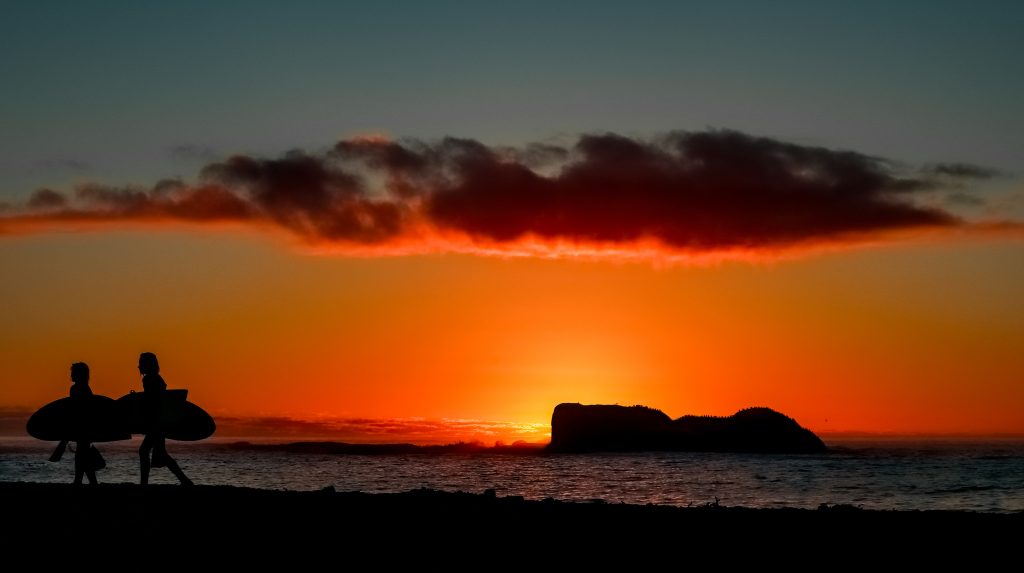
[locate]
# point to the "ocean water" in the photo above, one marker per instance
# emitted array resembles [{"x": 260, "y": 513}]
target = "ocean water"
[{"x": 892, "y": 474}]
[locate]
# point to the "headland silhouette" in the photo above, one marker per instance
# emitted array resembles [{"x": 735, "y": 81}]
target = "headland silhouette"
[
  {"x": 613, "y": 428},
  {"x": 578, "y": 428}
]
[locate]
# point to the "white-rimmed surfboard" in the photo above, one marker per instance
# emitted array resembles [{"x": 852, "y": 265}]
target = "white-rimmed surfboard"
[
  {"x": 92, "y": 418},
  {"x": 179, "y": 419}
]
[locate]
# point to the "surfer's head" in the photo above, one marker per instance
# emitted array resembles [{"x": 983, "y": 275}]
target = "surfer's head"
[
  {"x": 80, "y": 373},
  {"x": 148, "y": 364}
]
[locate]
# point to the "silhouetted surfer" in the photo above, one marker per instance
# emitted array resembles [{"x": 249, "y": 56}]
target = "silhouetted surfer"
[
  {"x": 80, "y": 392},
  {"x": 153, "y": 387}
]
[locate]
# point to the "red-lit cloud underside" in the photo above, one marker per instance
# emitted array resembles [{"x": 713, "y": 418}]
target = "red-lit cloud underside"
[{"x": 713, "y": 193}]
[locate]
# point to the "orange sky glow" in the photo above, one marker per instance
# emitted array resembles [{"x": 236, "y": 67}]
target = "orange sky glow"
[{"x": 919, "y": 337}]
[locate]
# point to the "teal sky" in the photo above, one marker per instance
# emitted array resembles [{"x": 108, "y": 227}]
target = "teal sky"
[{"x": 131, "y": 92}]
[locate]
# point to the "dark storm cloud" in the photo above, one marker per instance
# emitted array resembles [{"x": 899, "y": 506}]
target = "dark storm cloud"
[
  {"x": 46, "y": 199},
  {"x": 310, "y": 195},
  {"x": 964, "y": 200},
  {"x": 961, "y": 171},
  {"x": 694, "y": 191},
  {"x": 166, "y": 200},
  {"x": 687, "y": 191},
  {"x": 537, "y": 155}
]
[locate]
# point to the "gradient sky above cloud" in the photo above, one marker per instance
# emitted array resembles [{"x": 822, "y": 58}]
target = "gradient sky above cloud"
[{"x": 906, "y": 336}]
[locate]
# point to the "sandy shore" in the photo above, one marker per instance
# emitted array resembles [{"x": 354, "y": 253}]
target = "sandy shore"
[{"x": 251, "y": 525}]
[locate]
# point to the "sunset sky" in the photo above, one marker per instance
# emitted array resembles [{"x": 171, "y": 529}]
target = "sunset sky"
[{"x": 435, "y": 221}]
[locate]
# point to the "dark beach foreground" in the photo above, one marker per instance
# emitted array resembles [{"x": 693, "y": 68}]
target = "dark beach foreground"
[{"x": 239, "y": 525}]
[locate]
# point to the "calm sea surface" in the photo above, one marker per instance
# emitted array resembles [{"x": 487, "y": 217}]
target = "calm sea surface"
[{"x": 979, "y": 476}]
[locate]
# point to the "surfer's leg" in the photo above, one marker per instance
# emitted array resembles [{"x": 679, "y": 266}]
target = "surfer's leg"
[
  {"x": 79, "y": 463},
  {"x": 84, "y": 462},
  {"x": 173, "y": 466},
  {"x": 144, "y": 450},
  {"x": 160, "y": 449}
]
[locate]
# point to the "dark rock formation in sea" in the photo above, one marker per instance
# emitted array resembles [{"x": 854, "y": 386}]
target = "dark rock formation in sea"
[{"x": 595, "y": 428}]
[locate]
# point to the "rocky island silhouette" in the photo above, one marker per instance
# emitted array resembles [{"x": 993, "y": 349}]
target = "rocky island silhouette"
[
  {"x": 577, "y": 428},
  {"x": 597, "y": 428}
]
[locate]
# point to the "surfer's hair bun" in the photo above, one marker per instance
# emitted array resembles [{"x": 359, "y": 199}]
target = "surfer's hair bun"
[
  {"x": 80, "y": 371},
  {"x": 148, "y": 362}
]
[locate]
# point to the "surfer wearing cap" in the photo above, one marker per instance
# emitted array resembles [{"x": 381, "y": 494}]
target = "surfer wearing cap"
[
  {"x": 153, "y": 387},
  {"x": 80, "y": 392}
]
